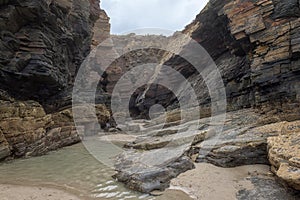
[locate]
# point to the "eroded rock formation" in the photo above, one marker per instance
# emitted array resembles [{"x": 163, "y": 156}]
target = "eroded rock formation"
[
  {"x": 26, "y": 129},
  {"x": 42, "y": 45},
  {"x": 255, "y": 45},
  {"x": 244, "y": 140}
]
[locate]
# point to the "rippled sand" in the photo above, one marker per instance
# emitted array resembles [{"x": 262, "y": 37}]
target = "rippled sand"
[{"x": 9, "y": 192}]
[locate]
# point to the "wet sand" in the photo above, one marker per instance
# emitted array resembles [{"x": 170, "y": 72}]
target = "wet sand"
[
  {"x": 10, "y": 192},
  {"x": 18, "y": 192},
  {"x": 207, "y": 181},
  {"x": 174, "y": 195}
]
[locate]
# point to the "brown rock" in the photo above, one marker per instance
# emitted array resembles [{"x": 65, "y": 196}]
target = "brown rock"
[
  {"x": 4, "y": 147},
  {"x": 26, "y": 130},
  {"x": 23, "y": 124},
  {"x": 284, "y": 155}
]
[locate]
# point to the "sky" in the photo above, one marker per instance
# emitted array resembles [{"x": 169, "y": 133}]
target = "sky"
[{"x": 173, "y": 15}]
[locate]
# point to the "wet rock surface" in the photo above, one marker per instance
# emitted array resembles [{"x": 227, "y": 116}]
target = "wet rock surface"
[
  {"x": 267, "y": 188},
  {"x": 146, "y": 172},
  {"x": 154, "y": 158},
  {"x": 144, "y": 164},
  {"x": 242, "y": 142}
]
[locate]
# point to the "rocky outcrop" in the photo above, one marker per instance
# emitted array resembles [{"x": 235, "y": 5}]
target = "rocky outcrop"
[
  {"x": 43, "y": 44},
  {"x": 243, "y": 141},
  {"x": 128, "y": 60},
  {"x": 264, "y": 38},
  {"x": 101, "y": 29},
  {"x": 247, "y": 138},
  {"x": 147, "y": 177},
  {"x": 26, "y": 130},
  {"x": 130, "y": 52},
  {"x": 284, "y": 155},
  {"x": 23, "y": 125},
  {"x": 4, "y": 146},
  {"x": 255, "y": 47}
]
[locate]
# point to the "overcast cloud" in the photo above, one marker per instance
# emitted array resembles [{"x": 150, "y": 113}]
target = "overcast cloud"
[{"x": 173, "y": 15}]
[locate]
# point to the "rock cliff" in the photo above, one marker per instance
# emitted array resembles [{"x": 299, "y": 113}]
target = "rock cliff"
[
  {"x": 42, "y": 45},
  {"x": 255, "y": 45}
]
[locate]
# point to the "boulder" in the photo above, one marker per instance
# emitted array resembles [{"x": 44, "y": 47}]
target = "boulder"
[{"x": 284, "y": 154}]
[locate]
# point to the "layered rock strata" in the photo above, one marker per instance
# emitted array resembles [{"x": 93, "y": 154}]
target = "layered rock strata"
[
  {"x": 26, "y": 130},
  {"x": 254, "y": 44},
  {"x": 43, "y": 44}
]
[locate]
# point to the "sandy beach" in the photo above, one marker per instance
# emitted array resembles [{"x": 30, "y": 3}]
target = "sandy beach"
[
  {"x": 15, "y": 192},
  {"x": 207, "y": 181}
]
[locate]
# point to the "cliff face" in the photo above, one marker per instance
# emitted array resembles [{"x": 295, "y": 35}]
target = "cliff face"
[
  {"x": 101, "y": 29},
  {"x": 255, "y": 45},
  {"x": 263, "y": 40},
  {"x": 42, "y": 45},
  {"x": 149, "y": 49},
  {"x": 127, "y": 61}
]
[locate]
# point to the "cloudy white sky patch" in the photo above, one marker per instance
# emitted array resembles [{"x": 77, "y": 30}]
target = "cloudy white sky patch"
[{"x": 173, "y": 15}]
